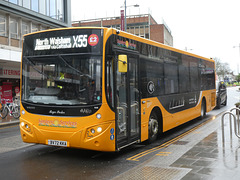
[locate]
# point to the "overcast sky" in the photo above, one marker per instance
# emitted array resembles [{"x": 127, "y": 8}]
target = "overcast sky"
[{"x": 209, "y": 28}]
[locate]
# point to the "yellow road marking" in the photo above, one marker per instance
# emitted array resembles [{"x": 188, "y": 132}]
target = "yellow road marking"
[
  {"x": 197, "y": 132},
  {"x": 168, "y": 143},
  {"x": 8, "y": 127},
  {"x": 163, "y": 153}
]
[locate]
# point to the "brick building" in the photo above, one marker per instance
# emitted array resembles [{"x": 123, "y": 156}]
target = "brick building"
[
  {"x": 142, "y": 25},
  {"x": 19, "y": 17}
]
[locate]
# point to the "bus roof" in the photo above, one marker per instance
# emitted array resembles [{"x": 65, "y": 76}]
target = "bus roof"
[{"x": 158, "y": 44}]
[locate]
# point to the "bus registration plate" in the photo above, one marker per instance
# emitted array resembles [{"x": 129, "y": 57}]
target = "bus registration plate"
[{"x": 57, "y": 143}]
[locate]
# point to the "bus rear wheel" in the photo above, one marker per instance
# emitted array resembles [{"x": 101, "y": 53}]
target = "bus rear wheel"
[
  {"x": 203, "y": 109},
  {"x": 153, "y": 127}
]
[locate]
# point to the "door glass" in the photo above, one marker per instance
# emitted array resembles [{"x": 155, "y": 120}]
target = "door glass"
[
  {"x": 127, "y": 98},
  {"x": 134, "y": 96},
  {"x": 122, "y": 107}
]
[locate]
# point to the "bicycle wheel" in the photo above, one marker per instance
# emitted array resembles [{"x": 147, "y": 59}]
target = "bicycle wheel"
[
  {"x": 4, "y": 112},
  {"x": 16, "y": 112}
]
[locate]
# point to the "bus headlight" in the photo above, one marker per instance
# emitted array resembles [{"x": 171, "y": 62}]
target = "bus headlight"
[
  {"x": 95, "y": 131},
  {"x": 22, "y": 124},
  {"x": 26, "y": 126},
  {"x": 99, "y": 129}
]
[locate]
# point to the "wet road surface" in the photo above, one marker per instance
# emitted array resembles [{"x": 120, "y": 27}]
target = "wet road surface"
[
  {"x": 30, "y": 161},
  {"x": 46, "y": 162}
]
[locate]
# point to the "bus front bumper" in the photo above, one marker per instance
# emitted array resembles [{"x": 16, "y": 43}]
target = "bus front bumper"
[{"x": 100, "y": 137}]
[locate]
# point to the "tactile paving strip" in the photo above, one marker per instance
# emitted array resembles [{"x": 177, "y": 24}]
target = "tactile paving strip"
[{"x": 153, "y": 173}]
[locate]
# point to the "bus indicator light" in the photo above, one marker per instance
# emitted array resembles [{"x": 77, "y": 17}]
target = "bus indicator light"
[
  {"x": 112, "y": 131},
  {"x": 112, "y": 137},
  {"x": 92, "y": 131}
]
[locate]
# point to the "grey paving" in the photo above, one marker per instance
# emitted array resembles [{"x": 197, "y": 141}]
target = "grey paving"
[{"x": 205, "y": 153}]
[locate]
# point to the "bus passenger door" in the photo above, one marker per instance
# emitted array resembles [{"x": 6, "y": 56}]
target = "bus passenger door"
[{"x": 128, "y": 106}]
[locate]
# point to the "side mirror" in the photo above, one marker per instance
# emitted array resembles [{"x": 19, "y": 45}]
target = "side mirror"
[{"x": 122, "y": 63}]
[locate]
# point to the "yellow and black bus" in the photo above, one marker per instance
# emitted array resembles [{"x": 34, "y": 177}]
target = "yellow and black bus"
[{"x": 104, "y": 89}]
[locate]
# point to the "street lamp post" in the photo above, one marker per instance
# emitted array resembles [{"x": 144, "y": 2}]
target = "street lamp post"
[
  {"x": 125, "y": 13},
  {"x": 239, "y": 56},
  {"x": 125, "y": 16}
]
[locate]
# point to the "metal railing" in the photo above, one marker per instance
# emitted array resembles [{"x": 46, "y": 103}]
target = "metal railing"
[
  {"x": 230, "y": 150},
  {"x": 236, "y": 121}
]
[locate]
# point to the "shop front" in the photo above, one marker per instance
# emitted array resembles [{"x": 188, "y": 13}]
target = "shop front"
[{"x": 9, "y": 80}]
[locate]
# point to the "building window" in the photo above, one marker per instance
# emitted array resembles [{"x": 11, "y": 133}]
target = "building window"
[
  {"x": 34, "y": 27},
  {"x": 2, "y": 25},
  {"x": 34, "y": 5},
  {"x": 13, "y": 1},
  {"x": 13, "y": 28},
  {"x": 20, "y": 2},
  {"x": 26, "y": 4},
  {"x": 25, "y": 28},
  {"x": 53, "y": 9},
  {"x": 60, "y": 10},
  {"x": 42, "y": 7},
  {"x": 47, "y": 7},
  {"x": 43, "y": 28}
]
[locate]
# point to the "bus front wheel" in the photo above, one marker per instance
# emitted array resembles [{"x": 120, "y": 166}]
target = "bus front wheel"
[{"x": 153, "y": 127}]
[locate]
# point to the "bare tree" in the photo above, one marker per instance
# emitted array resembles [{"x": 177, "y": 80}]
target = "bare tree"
[{"x": 222, "y": 69}]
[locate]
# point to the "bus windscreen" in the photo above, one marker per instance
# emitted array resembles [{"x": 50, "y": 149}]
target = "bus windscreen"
[{"x": 62, "y": 80}]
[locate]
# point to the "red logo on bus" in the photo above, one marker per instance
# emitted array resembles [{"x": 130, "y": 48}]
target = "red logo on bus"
[{"x": 93, "y": 40}]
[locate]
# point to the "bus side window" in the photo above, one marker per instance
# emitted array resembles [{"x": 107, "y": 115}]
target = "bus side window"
[{"x": 171, "y": 78}]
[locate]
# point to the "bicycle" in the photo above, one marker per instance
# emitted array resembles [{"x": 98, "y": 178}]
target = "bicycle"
[{"x": 12, "y": 108}]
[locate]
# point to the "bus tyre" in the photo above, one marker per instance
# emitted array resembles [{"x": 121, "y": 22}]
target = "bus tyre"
[
  {"x": 203, "y": 109},
  {"x": 153, "y": 127}
]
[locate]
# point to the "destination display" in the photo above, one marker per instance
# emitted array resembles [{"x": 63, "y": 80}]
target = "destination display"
[
  {"x": 59, "y": 41},
  {"x": 77, "y": 41}
]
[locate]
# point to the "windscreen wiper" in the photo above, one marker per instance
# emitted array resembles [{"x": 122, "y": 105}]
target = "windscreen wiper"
[
  {"x": 79, "y": 72},
  {"x": 33, "y": 66}
]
